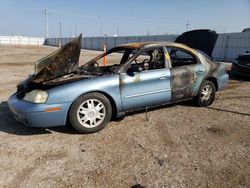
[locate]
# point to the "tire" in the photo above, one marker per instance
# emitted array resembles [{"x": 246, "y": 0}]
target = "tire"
[
  {"x": 90, "y": 113},
  {"x": 206, "y": 94}
]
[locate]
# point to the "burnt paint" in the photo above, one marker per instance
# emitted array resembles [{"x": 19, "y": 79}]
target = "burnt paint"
[
  {"x": 63, "y": 61},
  {"x": 182, "y": 82},
  {"x": 213, "y": 69}
]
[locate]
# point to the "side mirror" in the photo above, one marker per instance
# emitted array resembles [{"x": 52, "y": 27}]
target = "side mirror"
[
  {"x": 137, "y": 68},
  {"x": 140, "y": 69},
  {"x": 133, "y": 69}
]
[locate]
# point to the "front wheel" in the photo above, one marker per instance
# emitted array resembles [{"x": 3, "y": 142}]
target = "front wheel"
[
  {"x": 90, "y": 113},
  {"x": 206, "y": 94}
]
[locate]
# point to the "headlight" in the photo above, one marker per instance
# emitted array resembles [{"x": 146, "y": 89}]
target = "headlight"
[{"x": 36, "y": 96}]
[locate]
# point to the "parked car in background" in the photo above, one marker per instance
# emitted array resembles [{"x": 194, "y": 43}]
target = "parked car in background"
[
  {"x": 143, "y": 75},
  {"x": 241, "y": 66},
  {"x": 246, "y": 30}
]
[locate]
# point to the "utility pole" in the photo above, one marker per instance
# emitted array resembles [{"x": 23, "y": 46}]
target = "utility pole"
[
  {"x": 75, "y": 30},
  {"x": 45, "y": 12},
  {"x": 70, "y": 32},
  {"x": 60, "y": 34},
  {"x": 148, "y": 32},
  {"x": 117, "y": 31},
  {"x": 187, "y": 25}
]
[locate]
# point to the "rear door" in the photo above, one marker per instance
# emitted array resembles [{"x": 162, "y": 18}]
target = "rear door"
[{"x": 186, "y": 74}]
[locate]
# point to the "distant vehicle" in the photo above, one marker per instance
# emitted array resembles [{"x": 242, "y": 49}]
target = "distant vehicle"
[
  {"x": 146, "y": 75},
  {"x": 241, "y": 66},
  {"x": 246, "y": 30}
]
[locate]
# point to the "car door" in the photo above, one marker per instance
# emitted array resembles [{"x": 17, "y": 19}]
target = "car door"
[
  {"x": 186, "y": 74},
  {"x": 145, "y": 88}
]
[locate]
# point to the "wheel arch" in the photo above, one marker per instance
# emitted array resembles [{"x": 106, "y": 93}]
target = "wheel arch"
[
  {"x": 110, "y": 98},
  {"x": 214, "y": 81}
]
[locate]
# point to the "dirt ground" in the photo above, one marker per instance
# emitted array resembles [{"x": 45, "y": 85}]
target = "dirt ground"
[{"x": 179, "y": 146}]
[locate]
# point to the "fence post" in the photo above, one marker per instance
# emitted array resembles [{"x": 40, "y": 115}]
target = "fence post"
[
  {"x": 91, "y": 45},
  {"x": 104, "y": 58},
  {"x": 226, "y": 47}
]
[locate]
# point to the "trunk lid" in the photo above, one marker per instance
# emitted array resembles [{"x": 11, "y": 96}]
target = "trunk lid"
[{"x": 202, "y": 39}]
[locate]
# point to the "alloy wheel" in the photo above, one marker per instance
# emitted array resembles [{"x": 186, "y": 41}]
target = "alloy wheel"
[{"x": 91, "y": 113}]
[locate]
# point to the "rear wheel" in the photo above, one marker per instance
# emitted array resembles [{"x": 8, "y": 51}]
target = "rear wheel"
[
  {"x": 206, "y": 94},
  {"x": 90, "y": 113}
]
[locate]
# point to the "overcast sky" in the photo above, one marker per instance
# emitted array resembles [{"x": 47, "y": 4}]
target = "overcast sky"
[{"x": 128, "y": 17}]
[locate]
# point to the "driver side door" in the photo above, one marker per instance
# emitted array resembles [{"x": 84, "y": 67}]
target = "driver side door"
[{"x": 144, "y": 88}]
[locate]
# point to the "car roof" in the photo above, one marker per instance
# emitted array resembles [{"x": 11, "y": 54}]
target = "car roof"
[{"x": 140, "y": 45}]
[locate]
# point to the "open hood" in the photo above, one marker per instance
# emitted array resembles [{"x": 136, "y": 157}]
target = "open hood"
[
  {"x": 63, "y": 61},
  {"x": 203, "y": 39}
]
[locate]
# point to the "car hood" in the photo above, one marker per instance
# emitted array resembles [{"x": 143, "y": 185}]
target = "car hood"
[
  {"x": 202, "y": 39},
  {"x": 63, "y": 61}
]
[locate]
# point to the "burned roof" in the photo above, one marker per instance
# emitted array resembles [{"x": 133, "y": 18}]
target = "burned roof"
[
  {"x": 136, "y": 44},
  {"x": 151, "y": 44},
  {"x": 140, "y": 45}
]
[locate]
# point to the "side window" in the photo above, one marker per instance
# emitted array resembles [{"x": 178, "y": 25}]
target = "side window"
[
  {"x": 142, "y": 58},
  {"x": 148, "y": 60},
  {"x": 181, "y": 57}
]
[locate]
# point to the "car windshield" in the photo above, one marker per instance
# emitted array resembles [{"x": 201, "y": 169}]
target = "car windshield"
[
  {"x": 110, "y": 61},
  {"x": 115, "y": 56}
]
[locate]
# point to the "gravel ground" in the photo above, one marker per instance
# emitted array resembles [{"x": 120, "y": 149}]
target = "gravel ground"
[{"x": 179, "y": 146}]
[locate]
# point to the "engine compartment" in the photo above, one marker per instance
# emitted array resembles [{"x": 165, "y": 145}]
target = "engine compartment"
[{"x": 82, "y": 72}]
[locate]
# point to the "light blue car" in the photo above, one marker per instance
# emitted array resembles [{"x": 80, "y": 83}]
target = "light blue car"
[{"x": 137, "y": 76}]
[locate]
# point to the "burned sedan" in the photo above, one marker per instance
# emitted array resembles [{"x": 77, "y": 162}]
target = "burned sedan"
[{"x": 146, "y": 75}]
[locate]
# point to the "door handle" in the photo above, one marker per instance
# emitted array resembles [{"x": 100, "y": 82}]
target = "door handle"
[
  {"x": 200, "y": 71},
  {"x": 163, "y": 77}
]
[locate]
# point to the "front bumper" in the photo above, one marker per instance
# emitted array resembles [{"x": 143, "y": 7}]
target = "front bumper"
[{"x": 34, "y": 115}]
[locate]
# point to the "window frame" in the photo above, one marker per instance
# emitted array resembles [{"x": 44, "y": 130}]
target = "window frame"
[
  {"x": 140, "y": 52},
  {"x": 183, "y": 50}
]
